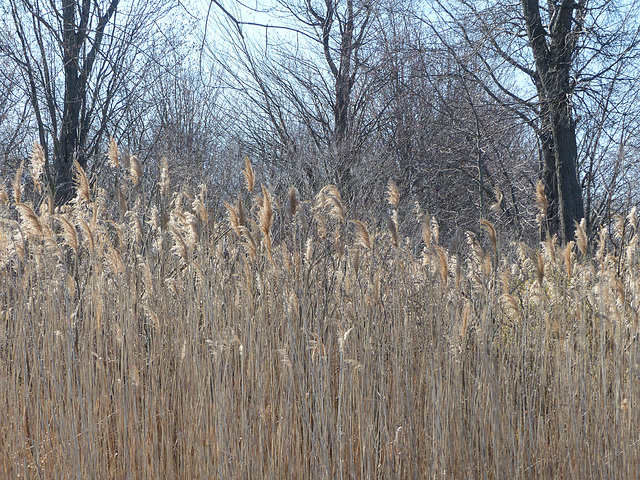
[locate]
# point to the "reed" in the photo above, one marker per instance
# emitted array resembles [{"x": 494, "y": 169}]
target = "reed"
[{"x": 137, "y": 347}]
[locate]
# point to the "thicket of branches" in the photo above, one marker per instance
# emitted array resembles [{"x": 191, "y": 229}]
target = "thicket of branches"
[{"x": 465, "y": 105}]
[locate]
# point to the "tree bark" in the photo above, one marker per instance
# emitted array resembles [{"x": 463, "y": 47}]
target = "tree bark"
[{"x": 553, "y": 53}]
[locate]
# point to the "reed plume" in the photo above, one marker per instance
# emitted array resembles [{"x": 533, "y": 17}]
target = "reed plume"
[
  {"x": 114, "y": 154},
  {"x": 393, "y": 196},
  {"x": 135, "y": 169},
  {"x": 294, "y": 201},
  {"x": 249, "y": 176},
  {"x": 17, "y": 184},
  {"x": 541, "y": 199},
  {"x": 362, "y": 234},
  {"x": 82, "y": 185},
  {"x": 164, "y": 178},
  {"x": 37, "y": 165}
]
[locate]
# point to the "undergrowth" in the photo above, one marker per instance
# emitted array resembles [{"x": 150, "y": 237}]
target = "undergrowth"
[{"x": 142, "y": 336}]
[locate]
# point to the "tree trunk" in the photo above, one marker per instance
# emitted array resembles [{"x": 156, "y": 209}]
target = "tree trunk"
[
  {"x": 569, "y": 190},
  {"x": 553, "y": 52}
]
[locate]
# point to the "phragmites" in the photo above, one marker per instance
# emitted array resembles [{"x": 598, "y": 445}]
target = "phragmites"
[
  {"x": 237, "y": 223},
  {"x": 491, "y": 231},
  {"x": 541, "y": 201},
  {"x": 164, "y": 178},
  {"x": 89, "y": 236},
  {"x": 632, "y": 218},
  {"x": 497, "y": 205},
  {"x": 135, "y": 169},
  {"x": 249, "y": 176},
  {"x": 362, "y": 234},
  {"x": 69, "y": 233},
  {"x": 602, "y": 243},
  {"x": 30, "y": 222},
  {"x": 476, "y": 249},
  {"x": 37, "y": 165},
  {"x": 426, "y": 228},
  {"x": 329, "y": 199},
  {"x": 200, "y": 209},
  {"x": 511, "y": 302},
  {"x": 294, "y": 201},
  {"x": 443, "y": 264},
  {"x": 240, "y": 210},
  {"x": 4, "y": 197},
  {"x": 136, "y": 225},
  {"x": 549, "y": 246},
  {"x": 392, "y": 225},
  {"x": 393, "y": 196},
  {"x": 265, "y": 215},
  {"x": 113, "y": 154},
  {"x": 179, "y": 248},
  {"x": 82, "y": 185},
  {"x": 539, "y": 264},
  {"x": 17, "y": 184},
  {"x": 581, "y": 236}
]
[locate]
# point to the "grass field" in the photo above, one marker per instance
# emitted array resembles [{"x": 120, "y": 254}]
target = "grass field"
[{"x": 148, "y": 338}]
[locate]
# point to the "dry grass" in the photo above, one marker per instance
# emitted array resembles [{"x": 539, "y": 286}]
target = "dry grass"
[{"x": 158, "y": 343}]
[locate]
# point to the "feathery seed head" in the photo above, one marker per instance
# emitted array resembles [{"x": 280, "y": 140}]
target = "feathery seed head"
[
  {"x": 87, "y": 232},
  {"x": 249, "y": 176},
  {"x": 135, "y": 169},
  {"x": 69, "y": 232},
  {"x": 37, "y": 165},
  {"x": 329, "y": 199},
  {"x": 393, "y": 196},
  {"x": 497, "y": 205},
  {"x": 17, "y": 184},
  {"x": 602, "y": 243},
  {"x": 294, "y": 201},
  {"x": 164, "y": 178},
  {"x": 113, "y": 153},
  {"x": 392, "y": 225},
  {"x": 443, "y": 263},
  {"x": 489, "y": 228},
  {"x": 82, "y": 185},
  {"x": 426, "y": 229},
  {"x": 549, "y": 246},
  {"x": 362, "y": 234},
  {"x": 632, "y": 218},
  {"x": 30, "y": 221},
  {"x": 265, "y": 214},
  {"x": 200, "y": 209},
  {"x": 541, "y": 198},
  {"x": 618, "y": 226},
  {"x": 4, "y": 197}
]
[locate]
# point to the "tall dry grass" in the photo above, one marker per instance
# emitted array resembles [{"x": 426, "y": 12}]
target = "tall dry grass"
[{"x": 296, "y": 340}]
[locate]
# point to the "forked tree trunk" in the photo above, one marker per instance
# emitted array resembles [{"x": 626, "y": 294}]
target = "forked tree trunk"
[{"x": 553, "y": 52}]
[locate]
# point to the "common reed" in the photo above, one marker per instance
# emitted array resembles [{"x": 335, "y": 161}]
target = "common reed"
[{"x": 133, "y": 346}]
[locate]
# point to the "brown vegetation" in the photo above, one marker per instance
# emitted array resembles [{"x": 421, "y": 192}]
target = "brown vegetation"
[{"x": 153, "y": 340}]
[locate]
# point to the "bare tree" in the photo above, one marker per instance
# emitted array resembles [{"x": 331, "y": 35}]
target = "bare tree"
[
  {"x": 75, "y": 56},
  {"x": 564, "y": 48},
  {"x": 310, "y": 69}
]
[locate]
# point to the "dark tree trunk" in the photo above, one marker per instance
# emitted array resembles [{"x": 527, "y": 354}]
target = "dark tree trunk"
[
  {"x": 553, "y": 53},
  {"x": 79, "y": 54},
  {"x": 548, "y": 173},
  {"x": 569, "y": 189},
  {"x": 69, "y": 137}
]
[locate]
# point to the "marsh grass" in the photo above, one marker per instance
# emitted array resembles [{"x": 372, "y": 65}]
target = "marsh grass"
[{"x": 304, "y": 342}]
